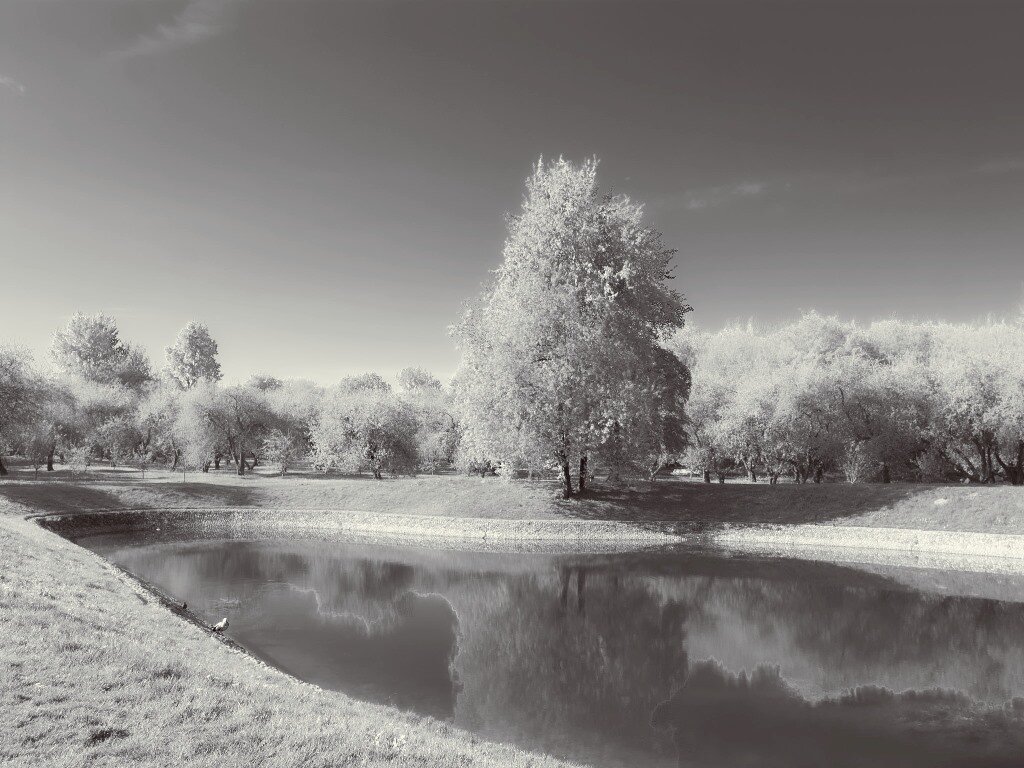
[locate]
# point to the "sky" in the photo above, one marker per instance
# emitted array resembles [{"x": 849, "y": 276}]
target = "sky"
[{"x": 323, "y": 182}]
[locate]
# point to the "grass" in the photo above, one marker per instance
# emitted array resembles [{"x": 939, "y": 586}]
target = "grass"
[
  {"x": 97, "y": 671},
  {"x": 681, "y": 504}
]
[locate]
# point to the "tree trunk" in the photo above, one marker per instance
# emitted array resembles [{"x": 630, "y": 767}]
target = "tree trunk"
[
  {"x": 886, "y": 475},
  {"x": 818, "y": 474},
  {"x": 241, "y": 459},
  {"x": 216, "y": 461},
  {"x": 3, "y": 469},
  {"x": 583, "y": 473},
  {"x": 566, "y": 479},
  {"x": 206, "y": 467},
  {"x": 177, "y": 457},
  {"x": 707, "y": 475},
  {"x": 721, "y": 477},
  {"x": 377, "y": 475},
  {"x": 49, "y": 459},
  {"x": 752, "y": 475}
]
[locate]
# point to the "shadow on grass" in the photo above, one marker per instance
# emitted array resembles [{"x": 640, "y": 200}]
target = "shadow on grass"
[
  {"x": 59, "y": 497},
  {"x": 688, "y": 507},
  {"x": 102, "y": 494}
]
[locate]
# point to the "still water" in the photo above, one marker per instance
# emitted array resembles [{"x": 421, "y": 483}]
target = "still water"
[{"x": 656, "y": 659}]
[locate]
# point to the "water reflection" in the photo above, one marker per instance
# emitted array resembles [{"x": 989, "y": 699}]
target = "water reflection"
[
  {"x": 719, "y": 718},
  {"x": 626, "y": 660}
]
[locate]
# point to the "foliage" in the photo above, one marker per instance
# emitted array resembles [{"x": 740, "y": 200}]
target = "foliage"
[
  {"x": 193, "y": 357},
  {"x": 365, "y": 428},
  {"x": 19, "y": 395},
  {"x": 90, "y": 347},
  {"x": 552, "y": 353},
  {"x": 437, "y": 433},
  {"x": 893, "y": 400}
]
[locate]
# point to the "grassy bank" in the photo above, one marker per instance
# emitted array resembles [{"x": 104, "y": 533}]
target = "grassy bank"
[
  {"x": 683, "y": 505},
  {"x": 96, "y": 671}
]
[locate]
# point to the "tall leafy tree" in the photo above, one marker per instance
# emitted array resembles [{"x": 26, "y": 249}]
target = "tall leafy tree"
[
  {"x": 552, "y": 352},
  {"x": 193, "y": 357}
]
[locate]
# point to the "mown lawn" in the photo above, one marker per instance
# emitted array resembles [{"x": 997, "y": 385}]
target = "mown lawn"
[{"x": 683, "y": 504}]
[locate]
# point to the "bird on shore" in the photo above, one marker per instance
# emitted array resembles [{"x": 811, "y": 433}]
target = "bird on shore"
[
  {"x": 184, "y": 607},
  {"x": 221, "y": 625}
]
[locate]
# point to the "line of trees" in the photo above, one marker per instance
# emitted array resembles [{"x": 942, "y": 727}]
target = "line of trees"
[
  {"x": 575, "y": 361},
  {"x": 894, "y": 400},
  {"x": 103, "y": 401}
]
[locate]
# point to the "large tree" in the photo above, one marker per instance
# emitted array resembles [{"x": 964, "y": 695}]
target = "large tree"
[
  {"x": 551, "y": 355},
  {"x": 193, "y": 357}
]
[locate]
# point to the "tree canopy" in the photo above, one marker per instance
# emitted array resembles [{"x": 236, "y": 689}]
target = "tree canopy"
[{"x": 557, "y": 357}]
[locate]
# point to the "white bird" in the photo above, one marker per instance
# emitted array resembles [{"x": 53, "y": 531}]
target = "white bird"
[{"x": 221, "y": 625}]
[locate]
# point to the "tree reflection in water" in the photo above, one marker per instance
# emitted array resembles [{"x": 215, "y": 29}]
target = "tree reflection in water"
[
  {"x": 724, "y": 720},
  {"x": 607, "y": 660}
]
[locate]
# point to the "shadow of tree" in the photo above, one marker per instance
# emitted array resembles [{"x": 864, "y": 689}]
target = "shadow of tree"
[
  {"x": 79, "y": 496},
  {"x": 688, "y": 507},
  {"x": 61, "y": 497}
]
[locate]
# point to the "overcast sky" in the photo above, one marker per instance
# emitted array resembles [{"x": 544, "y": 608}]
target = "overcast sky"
[{"x": 323, "y": 181}]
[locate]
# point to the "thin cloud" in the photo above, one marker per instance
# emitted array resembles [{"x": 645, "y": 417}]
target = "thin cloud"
[
  {"x": 201, "y": 20},
  {"x": 1002, "y": 165},
  {"x": 8, "y": 82},
  {"x": 711, "y": 197}
]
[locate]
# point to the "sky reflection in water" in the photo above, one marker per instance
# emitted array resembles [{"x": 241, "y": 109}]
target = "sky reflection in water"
[{"x": 685, "y": 659}]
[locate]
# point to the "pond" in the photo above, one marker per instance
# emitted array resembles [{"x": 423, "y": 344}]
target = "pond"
[{"x": 673, "y": 657}]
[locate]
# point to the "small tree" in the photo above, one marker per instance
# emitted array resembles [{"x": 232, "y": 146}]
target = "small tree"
[
  {"x": 281, "y": 449},
  {"x": 20, "y": 394},
  {"x": 193, "y": 357},
  {"x": 437, "y": 433},
  {"x": 365, "y": 429}
]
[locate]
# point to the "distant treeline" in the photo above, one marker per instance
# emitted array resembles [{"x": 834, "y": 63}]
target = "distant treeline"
[
  {"x": 892, "y": 400},
  {"x": 103, "y": 401}
]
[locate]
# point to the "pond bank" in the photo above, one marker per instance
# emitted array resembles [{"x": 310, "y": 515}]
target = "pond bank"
[
  {"x": 936, "y": 550},
  {"x": 948, "y": 550},
  {"x": 98, "y": 671}
]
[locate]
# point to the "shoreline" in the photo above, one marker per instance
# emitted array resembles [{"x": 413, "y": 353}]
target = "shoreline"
[
  {"x": 952, "y": 551},
  {"x": 913, "y": 548}
]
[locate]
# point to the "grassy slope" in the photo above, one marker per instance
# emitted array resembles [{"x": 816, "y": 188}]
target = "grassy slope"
[
  {"x": 687, "y": 505},
  {"x": 94, "y": 671}
]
